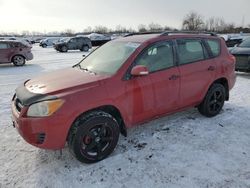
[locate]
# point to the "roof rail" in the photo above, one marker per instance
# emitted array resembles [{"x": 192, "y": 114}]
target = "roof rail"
[
  {"x": 162, "y": 33},
  {"x": 142, "y": 33},
  {"x": 189, "y": 32}
]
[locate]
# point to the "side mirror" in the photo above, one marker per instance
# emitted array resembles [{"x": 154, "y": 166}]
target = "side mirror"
[{"x": 139, "y": 70}]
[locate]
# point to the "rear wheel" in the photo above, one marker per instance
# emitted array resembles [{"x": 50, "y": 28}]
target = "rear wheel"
[
  {"x": 214, "y": 101},
  {"x": 85, "y": 48},
  {"x": 64, "y": 49},
  {"x": 93, "y": 137},
  {"x": 18, "y": 60}
]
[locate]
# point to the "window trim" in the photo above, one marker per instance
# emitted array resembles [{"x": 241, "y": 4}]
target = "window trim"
[
  {"x": 128, "y": 76},
  {"x": 201, "y": 40}
]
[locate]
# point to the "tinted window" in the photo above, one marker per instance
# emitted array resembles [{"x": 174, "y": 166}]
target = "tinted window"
[
  {"x": 190, "y": 50},
  {"x": 214, "y": 46},
  {"x": 4, "y": 46},
  {"x": 157, "y": 57}
]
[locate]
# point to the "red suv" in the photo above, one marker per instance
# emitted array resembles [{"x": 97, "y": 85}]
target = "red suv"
[
  {"x": 14, "y": 52},
  {"x": 124, "y": 83}
]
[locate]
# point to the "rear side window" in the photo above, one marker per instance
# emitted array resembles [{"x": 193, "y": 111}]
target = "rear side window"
[
  {"x": 4, "y": 46},
  {"x": 191, "y": 50},
  {"x": 214, "y": 46},
  {"x": 157, "y": 57}
]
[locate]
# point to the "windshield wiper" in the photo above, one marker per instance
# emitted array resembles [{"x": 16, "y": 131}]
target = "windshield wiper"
[{"x": 85, "y": 69}]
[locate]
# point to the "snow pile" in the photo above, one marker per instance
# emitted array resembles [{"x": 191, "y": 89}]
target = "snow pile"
[{"x": 181, "y": 150}]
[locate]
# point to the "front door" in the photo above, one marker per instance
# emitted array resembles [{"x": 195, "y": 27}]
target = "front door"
[{"x": 158, "y": 92}]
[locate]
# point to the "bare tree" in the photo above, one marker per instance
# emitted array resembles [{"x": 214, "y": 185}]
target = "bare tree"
[
  {"x": 154, "y": 27},
  {"x": 193, "y": 21},
  {"x": 88, "y": 30},
  {"x": 120, "y": 29},
  {"x": 142, "y": 28},
  {"x": 215, "y": 24},
  {"x": 101, "y": 29},
  {"x": 69, "y": 32}
]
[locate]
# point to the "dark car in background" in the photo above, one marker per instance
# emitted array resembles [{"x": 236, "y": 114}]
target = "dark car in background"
[
  {"x": 74, "y": 43},
  {"x": 15, "y": 52},
  {"x": 231, "y": 42},
  {"x": 242, "y": 55}
]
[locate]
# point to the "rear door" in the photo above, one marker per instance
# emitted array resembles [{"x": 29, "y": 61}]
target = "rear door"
[
  {"x": 5, "y": 52},
  {"x": 197, "y": 70}
]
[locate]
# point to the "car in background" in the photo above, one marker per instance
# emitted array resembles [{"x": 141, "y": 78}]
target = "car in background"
[
  {"x": 48, "y": 41},
  {"x": 232, "y": 39},
  {"x": 242, "y": 54},
  {"x": 61, "y": 40},
  {"x": 98, "y": 39},
  {"x": 15, "y": 52},
  {"x": 74, "y": 43}
]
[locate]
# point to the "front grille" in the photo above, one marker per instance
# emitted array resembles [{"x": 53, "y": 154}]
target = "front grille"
[
  {"x": 18, "y": 104},
  {"x": 40, "y": 138},
  {"x": 242, "y": 60}
]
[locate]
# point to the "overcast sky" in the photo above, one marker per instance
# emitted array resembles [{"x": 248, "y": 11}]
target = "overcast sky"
[{"x": 58, "y": 15}]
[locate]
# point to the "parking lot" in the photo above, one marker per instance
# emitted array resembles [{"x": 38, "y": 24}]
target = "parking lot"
[{"x": 180, "y": 150}]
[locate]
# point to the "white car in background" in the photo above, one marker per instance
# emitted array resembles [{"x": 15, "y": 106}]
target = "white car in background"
[
  {"x": 98, "y": 39},
  {"x": 49, "y": 41}
]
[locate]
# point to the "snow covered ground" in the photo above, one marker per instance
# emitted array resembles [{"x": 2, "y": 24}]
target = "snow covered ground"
[{"x": 181, "y": 150}]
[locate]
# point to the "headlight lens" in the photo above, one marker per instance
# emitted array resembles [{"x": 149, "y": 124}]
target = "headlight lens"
[{"x": 44, "y": 108}]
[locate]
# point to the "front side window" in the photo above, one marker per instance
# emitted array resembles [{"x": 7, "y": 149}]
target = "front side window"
[
  {"x": 214, "y": 46},
  {"x": 157, "y": 57},
  {"x": 4, "y": 46},
  {"x": 190, "y": 50}
]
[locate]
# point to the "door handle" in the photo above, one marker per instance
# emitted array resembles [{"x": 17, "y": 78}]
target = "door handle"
[
  {"x": 174, "y": 77},
  {"x": 211, "y": 68}
]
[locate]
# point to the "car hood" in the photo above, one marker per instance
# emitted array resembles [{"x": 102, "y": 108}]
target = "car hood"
[
  {"x": 63, "y": 80},
  {"x": 239, "y": 50}
]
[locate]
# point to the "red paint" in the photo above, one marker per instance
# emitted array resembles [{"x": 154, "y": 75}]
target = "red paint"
[{"x": 139, "y": 99}]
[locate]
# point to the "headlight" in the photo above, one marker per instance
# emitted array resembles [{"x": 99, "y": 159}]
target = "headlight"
[{"x": 44, "y": 108}]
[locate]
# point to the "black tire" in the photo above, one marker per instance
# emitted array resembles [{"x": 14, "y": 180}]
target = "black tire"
[
  {"x": 213, "y": 101},
  {"x": 85, "y": 48},
  {"x": 44, "y": 45},
  {"x": 18, "y": 60},
  {"x": 93, "y": 137},
  {"x": 64, "y": 49}
]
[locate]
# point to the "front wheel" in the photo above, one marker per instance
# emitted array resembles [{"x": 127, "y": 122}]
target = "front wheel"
[
  {"x": 18, "y": 60},
  {"x": 213, "y": 101},
  {"x": 93, "y": 137},
  {"x": 64, "y": 49}
]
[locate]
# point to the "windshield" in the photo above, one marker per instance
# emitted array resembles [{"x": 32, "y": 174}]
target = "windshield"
[
  {"x": 245, "y": 43},
  {"x": 63, "y": 40},
  {"x": 108, "y": 58}
]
